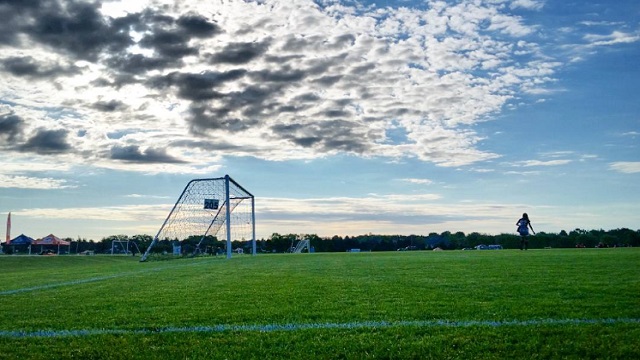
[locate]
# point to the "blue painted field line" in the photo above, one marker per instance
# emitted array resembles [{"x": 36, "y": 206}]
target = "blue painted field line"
[
  {"x": 311, "y": 326},
  {"x": 94, "y": 279}
]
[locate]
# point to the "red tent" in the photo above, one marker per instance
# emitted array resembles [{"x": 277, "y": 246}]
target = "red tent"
[{"x": 51, "y": 240}]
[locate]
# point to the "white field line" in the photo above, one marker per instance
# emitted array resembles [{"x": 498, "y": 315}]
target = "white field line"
[{"x": 266, "y": 328}]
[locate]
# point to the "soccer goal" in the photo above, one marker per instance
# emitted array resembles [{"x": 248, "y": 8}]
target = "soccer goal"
[
  {"x": 218, "y": 207},
  {"x": 302, "y": 244},
  {"x": 126, "y": 247}
]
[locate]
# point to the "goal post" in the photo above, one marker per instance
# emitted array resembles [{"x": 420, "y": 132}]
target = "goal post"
[{"x": 214, "y": 207}]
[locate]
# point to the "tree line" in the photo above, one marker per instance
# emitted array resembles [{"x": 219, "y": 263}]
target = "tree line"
[
  {"x": 459, "y": 240},
  {"x": 280, "y": 243}
]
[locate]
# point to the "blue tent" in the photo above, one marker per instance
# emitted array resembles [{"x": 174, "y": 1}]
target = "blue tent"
[{"x": 22, "y": 239}]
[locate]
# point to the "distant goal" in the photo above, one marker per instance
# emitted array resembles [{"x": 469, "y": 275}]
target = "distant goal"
[{"x": 217, "y": 208}]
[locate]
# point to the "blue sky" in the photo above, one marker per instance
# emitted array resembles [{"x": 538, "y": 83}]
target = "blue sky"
[{"x": 341, "y": 117}]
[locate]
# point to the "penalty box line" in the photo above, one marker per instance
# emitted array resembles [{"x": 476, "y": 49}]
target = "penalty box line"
[{"x": 16, "y": 334}]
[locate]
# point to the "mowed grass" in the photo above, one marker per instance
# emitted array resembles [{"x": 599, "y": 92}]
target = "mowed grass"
[{"x": 574, "y": 303}]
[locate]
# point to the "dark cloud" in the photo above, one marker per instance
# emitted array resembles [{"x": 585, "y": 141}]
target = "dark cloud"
[
  {"x": 22, "y": 4},
  {"x": 167, "y": 37},
  {"x": 109, "y": 106},
  {"x": 26, "y": 66},
  {"x": 239, "y": 53},
  {"x": 204, "y": 118},
  {"x": 236, "y": 110},
  {"x": 14, "y": 14},
  {"x": 47, "y": 142},
  {"x": 254, "y": 100},
  {"x": 138, "y": 64},
  {"x": 198, "y": 26},
  {"x": 336, "y": 113},
  {"x": 327, "y": 80},
  {"x": 277, "y": 59},
  {"x": 172, "y": 44},
  {"x": 117, "y": 82},
  {"x": 363, "y": 69},
  {"x": 132, "y": 153},
  {"x": 283, "y": 75},
  {"x": 212, "y": 145},
  {"x": 11, "y": 127},
  {"x": 288, "y": 108},
  {"x": 78, "y": 28},
  {"x": 327, "y": 136},
  {"x": 136, "y": 22},
  {"x": 196, "y": 87},
  {"x": 170, "y": 39},
  {"x": 308, "y": 97}
]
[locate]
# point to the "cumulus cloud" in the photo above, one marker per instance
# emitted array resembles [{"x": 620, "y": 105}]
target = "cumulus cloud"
[
  {"x": 527, "y": 4},
  {"x": 47, "y": 142},
  {"x": 133, "y": 153},
  {"x": 275, "y": 80},
  {"x": 11, "y": 127}
]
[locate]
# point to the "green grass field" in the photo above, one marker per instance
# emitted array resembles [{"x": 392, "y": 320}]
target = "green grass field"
[{"x": 537, "y": 304}]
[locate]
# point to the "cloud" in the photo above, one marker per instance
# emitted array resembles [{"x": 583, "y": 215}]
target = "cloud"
[
  {"x": 239, "y": 53},
  {"x": 417, "y": 214},
  {"x": 418, "y": 181},
  {"x": 27, "y": 66},
  {"x": 522, "y": 173},
  {"x": 27, "y": 182},
  {"x": 530, "y": 163},
  {"x": 109, "y": 106},
  {"x": 135, "y": 213},
  {"x": 76, "y": 27},
  {"x": 626, "y": 167},
  {"x": 631, "y": 133},
  {"x": 527, "y": 4},
  {"x": 601, "y": 23},
  {"x": 139, "y": 196},
  {"x": 133, "y": 153},
  {"x": 196, "y": 25},
  {"x": 47, "y": 142},
  {"x": 616, "y": 37},
  {"x": 11, "y": 127},
  {"x": 274, "y": 80}
]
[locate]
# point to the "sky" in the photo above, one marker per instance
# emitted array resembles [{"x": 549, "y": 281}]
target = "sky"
[{"x": 340, "y": 117}]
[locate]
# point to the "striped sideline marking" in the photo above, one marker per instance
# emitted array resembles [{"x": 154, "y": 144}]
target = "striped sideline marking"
[
  {"x": 314, "y": 326},
  {"x": 95, "y": 279}
]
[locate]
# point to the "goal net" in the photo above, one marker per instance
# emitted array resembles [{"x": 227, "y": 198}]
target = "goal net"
[{"x": 208, "y": 210}]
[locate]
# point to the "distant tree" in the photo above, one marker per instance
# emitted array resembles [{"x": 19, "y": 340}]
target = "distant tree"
[{"x": 377, "y": 242}]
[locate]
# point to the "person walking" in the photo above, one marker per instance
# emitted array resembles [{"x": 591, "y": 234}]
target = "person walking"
[{"x": 524, "y": 224}]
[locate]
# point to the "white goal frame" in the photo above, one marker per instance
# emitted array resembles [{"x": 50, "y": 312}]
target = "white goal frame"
[
  {"x": 125, "y": 247},
  {"x": 221, "y": 217}
]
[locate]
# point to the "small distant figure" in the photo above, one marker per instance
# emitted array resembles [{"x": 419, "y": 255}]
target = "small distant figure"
[{"x": 524, "y": 224}]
